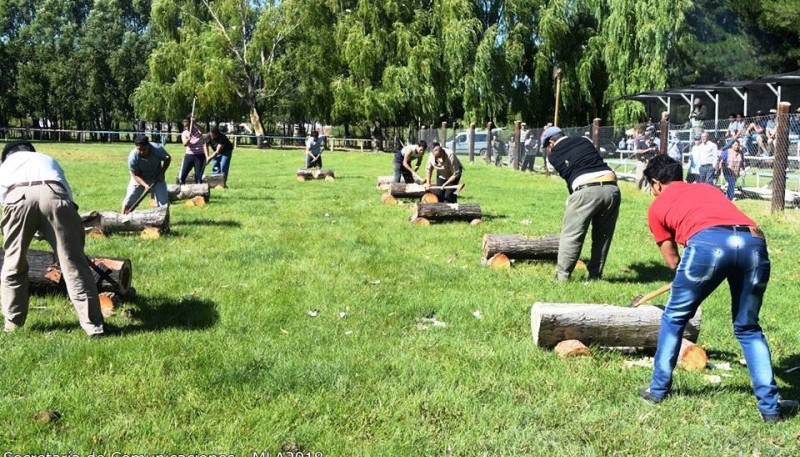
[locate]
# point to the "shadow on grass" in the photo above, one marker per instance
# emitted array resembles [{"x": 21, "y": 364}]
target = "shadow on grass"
[
  {"x": 256, "y": 198},
  {"x": 161, "y": 313},
  {"x": 788, "y": 371},
  {"x": 644, "y": 272},
  {"x": 152, "y": 314},
  {"x": 493, "y": 217},
  {"x": 207, "y": 222}
]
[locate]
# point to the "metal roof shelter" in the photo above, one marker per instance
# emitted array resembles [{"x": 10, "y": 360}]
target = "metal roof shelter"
[{"x": 778, "y": 85}]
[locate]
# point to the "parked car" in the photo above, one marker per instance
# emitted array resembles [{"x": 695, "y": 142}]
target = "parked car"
[{"x": 460, "y": 143}]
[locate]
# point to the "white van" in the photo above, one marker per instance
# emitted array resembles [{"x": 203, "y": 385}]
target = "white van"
[{"x": 461, "y": 142}]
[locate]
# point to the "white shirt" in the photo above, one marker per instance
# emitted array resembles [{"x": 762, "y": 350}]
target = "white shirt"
[
  {"x": 25, "y": 166},
  {"x": 705, "y": 153}
]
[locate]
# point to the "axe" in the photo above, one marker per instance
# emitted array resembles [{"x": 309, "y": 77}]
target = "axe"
[
  {"x": 141, "y": 198},
  {"x": 641, "y": 299}
]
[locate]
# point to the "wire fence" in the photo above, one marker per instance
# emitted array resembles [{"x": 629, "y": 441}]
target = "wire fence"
[{"x": 755, "y": 157}]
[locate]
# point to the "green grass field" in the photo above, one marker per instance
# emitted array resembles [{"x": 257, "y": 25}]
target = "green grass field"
[{"x": 218, "y": 354}]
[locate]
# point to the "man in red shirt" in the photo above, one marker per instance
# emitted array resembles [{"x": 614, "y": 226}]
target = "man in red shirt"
[{"x": 720, "y": 242}]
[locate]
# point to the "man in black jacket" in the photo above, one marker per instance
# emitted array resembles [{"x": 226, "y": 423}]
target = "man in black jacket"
[{"x": 594, "y": 198}]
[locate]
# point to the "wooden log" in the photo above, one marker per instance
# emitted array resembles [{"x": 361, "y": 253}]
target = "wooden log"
[
  {"x": 499, "y": 260},
  {"x": 429, "y": 197},
  {"x": 692, "y": 357},
  {"x": 385, "y": 182},
  {"x": 195, "y": 201},
  {"x": 44, "y": 273},
  {"x": 602, "y": 325},
  {"x": 440, "y": 212},
  {"x": 108, "y": 222},
  {"x": 571, "y": 348},
  {"x": 215, "y": 181},
  {"x": 388, "y": 199},
  {"x": 520, "y": 247},
  {"x": 403, "y": 190},
  {"x": 314, "y": 173},
  {"x": 179, "y": 192}
]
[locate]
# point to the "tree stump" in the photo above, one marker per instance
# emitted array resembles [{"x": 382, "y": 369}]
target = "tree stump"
[
  {"x": 602, "y": 325},
  {"x": 108, "y": 222},
  {"x": 571, "y": 348},
  {"x": 304, "y": 174},
  {"x": 44, "y": 273},
  {"x": 520, "y": 247},
  {"x": 188, "y": 191},
  {"x": 443, "y": 212}
]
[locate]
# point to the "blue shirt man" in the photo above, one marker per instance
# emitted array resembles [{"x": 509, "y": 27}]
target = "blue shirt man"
[{"x": 147, "y": 163}]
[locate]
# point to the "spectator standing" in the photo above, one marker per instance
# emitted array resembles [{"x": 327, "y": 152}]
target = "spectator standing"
[
  {"x": 195, "y": 156},
  {"x": 731, "y": 163},
  {"x": 594, "y": 198},
  {"x": 529, "y": 148},
  {"x": 697, "y": 116},
  {"x": 37, "y": 197},
  {"x": 705, "y": 155},
  {"x": 498, "y": 149},
  {"x": 693, "y": 173},
  {"x": 645, "y": 150},
  {"x": 720, "y": 243}
]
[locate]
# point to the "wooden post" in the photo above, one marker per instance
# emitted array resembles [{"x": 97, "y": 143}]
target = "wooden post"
[
  {"x": 489, "y": 142},
  {"x": 517, "y": 135},
  {"x": 663, "y": 132},
  {"x": 781, "y": 158},
  {"x": 443, "y": 134},
  {"x": 471, "y": 144},
  {"x": 596, "y": 133}
]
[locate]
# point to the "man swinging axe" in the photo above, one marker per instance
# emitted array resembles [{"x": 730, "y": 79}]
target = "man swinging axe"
[{"x": 147, "y": 163}]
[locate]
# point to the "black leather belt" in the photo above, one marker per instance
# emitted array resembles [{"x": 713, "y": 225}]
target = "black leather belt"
[
  {"x": 594, "y": 184},
  {"x": 35, "y": 183}
]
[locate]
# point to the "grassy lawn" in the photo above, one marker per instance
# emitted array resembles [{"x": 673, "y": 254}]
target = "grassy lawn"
[{"x": 218, "y": 353}]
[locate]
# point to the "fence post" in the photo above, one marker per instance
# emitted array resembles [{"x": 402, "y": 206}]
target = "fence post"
[
  {"x": 517, "y": 134},
  {"x": 471, "y": 143},
  {"x": 489, "y": 142},
  {"x": 781, "y": 157},
  {"x": 663, "y": 129},
  {"x": 596, "y": 132},
  {"x": 443, "y": 134}
]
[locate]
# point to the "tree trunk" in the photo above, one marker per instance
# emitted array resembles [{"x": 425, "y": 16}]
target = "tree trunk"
[
  {"x": 304, "y": 174},
  {"x": 602, "y": 325},
  {"x": 447, "y": 211},
  {"x": 109, "y": 222},
  {"x": 255, "y": 120},
  {"x": 44, "y": 273},
  {"x": 520, "y": 247},
  {"x": 188, "y": 191},
  {"x": 403, "y": 190}
]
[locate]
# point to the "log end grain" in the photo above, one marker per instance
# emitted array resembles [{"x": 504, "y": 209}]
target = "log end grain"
[
  {"x": 107, "y": 304},
  {"x": 499, "y": 260},
  {"x": 219, "y": 187},
  {"x": 692, "y": 357},
  {"x": 572, "y": 348},
  {"x": 475, "y": 222},
  {"x": 301, "y": 178},
  {"x": 151, "y": 233},
  {"x": 580, "y": 265},
  {"x": 420, "y": 221},
  {"x": 152, "y": 202},
  {"x": 330, "y": 178},
  {"x": 429, "y": 197},
  {"x": 96, "y": 233},
  {"x": 199, "y": 201},
  {"x": 388, "y": 199}
]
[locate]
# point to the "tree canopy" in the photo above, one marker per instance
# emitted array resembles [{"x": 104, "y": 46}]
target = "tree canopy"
[{"x": 96, "y": 63}]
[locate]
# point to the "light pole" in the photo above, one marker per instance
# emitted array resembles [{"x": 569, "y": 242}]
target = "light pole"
[{"x": 558, "y": 73}]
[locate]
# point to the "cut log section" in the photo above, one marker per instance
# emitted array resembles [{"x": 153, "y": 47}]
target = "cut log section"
[
  {"x": 571, "y": 348},
  {"x": 499, "y": 260},
  {"x": 521, "y": 247},
  {"x": 385, "y": 182},
  {"x": 304, "y": 174},
  {"x": 195, "y": 201},
  {"x": 429, "y": 197},
  {"x": 601, "y": 325},
  {"x": 388, "y": 199},
  {"x": 179, "y": 192},
  {"x": 421, "y": 221},
  {"x": 443, "y": 212},
  {"x": 692, "y": 357},
  {"x": 44, "y": 273},
  {"x": 215, "y": 181},
  {"x": 108, "y": 222},
  {"x": 414, "y": 191}
]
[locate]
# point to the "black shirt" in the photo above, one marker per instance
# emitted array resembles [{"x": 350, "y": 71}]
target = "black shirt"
[
  {"x": 574, "y": 156},
  {"x": 227, "y": 146}
]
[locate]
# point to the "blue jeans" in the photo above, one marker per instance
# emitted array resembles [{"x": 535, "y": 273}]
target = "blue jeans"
[
  {"x": 223, "y": 164},
  {"x": 711, "y": 256},
  {"x": 731, "y": 179}
]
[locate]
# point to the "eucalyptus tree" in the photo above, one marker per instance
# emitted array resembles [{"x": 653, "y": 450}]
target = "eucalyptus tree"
[{"x": 225, "y": 52}]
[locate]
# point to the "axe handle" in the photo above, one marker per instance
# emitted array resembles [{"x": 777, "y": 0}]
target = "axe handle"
[
  {"x": 652, "y": 295},
  {"x": 140, "y": 199}
]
